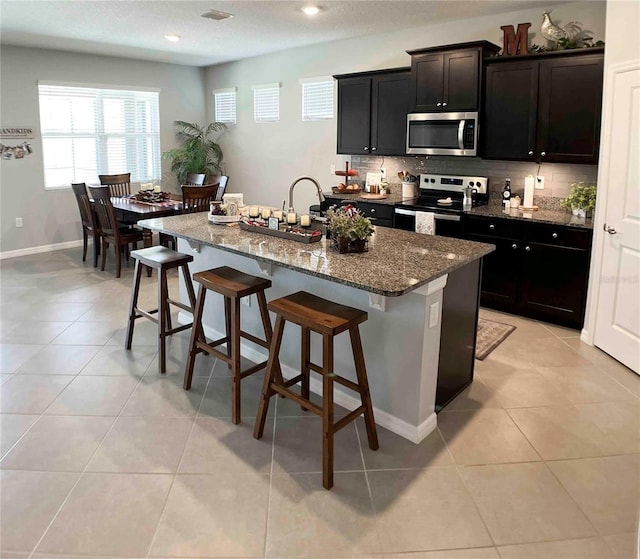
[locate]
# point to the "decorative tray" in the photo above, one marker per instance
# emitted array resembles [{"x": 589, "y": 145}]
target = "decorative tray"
[
  {"x": 223, "y": 219},
  {"x": 150, "y": 196},
  {"x": 337, "y": 190},
  {"x": 311, "y": 234}
]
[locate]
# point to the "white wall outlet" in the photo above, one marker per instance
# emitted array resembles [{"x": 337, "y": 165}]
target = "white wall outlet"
[
  {"x": 434, "y": 314},
  {"x": 333, "y": 168},
  {"x": 539, "y": 183},
  {"x": 246, "y": 301},
  {"x": 383, "y": 173},
  {"x": 18, "y": 222}
]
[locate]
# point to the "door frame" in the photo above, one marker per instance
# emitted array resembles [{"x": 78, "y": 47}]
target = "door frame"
[{"x": 600, "y": 215}]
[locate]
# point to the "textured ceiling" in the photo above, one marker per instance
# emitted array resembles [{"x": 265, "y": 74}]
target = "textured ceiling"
[{"x": 136, "y": 29}]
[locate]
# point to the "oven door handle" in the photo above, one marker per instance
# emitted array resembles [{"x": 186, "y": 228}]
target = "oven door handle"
[
  {"x": 461, "y": 133},
  {"x": 400, "y": 211},
  {"x": 446, "y": 217}
]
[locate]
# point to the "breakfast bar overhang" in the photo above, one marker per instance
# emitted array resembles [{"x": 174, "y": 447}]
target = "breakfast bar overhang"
[{"x": 401, "y": 281}]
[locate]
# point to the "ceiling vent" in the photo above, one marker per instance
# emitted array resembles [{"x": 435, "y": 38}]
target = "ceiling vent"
[{"x": 217, "y": 15}]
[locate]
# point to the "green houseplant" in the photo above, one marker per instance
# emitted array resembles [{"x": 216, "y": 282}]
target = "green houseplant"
[
  {"x": 582, "y": 199},
  {"x": 198, "y": 153},
  {"x": 349, "y": 229}
]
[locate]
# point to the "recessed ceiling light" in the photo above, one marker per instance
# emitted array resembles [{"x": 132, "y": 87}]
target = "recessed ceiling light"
[
  {"x": 311, "y": 10},
  {"x": 172, "y": 37}
]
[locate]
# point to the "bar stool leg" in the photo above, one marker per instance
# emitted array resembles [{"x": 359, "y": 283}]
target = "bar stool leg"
[
  {"x": 235, "y": 361},
  {"x": 269, "y": 377},
  {"x": 304, "y": 363},
  {"x": 327, "y": 411},
  {"x": 365, "y": 396},
  {"x": 196, "y": 334},
  {"x": 162, "y": 320},
  {"x": 134, "y": 303},
  {"x": 227, "y": 327},
  {"x": 268, "y": 332}
]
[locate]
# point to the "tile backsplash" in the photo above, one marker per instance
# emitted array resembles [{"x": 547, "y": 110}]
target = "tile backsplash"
[{"x": 557, "y": 176}]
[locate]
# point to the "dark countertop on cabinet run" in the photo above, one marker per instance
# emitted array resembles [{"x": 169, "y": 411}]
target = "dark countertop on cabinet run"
[
  {"x": 552, "y": 217},
  {"x": 397, "y": 262}
]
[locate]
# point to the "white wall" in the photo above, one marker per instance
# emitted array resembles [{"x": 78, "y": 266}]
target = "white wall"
[
  {"x": 52, "y": 216},
  {"x": 263, "y": 159}
]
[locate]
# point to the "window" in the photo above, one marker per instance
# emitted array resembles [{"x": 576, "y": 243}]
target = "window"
[
  {"x": 88, "y": 131},
  {"x": 317, "y": 98},
  {"x": 225, "y": 105},
  {"x": 266, "y": 102}
]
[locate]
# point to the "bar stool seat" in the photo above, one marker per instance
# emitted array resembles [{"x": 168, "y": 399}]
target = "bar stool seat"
[
  {"x": 161, "y": 259},
  {"x": 314, "y": 314},
  {"x": 233, "y": 285}
]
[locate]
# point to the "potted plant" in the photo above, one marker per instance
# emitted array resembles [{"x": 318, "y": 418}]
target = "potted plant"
[
  {"x": 582, "y": 199},
  {"x": 198, "y": 153},
  {"x": 349, "y": 229}
]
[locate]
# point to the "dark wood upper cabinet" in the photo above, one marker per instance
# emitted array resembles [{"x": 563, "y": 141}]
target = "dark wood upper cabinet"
[
  {"x": 543, "y": 107},
  {"x": 372, "y": 112},
  {"x": 447, "y": 78}
]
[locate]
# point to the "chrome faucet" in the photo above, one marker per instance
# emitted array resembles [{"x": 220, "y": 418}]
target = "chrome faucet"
[{"x": 314, "y": 181}]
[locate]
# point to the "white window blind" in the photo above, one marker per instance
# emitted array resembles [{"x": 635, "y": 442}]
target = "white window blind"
[
  {"x": 87, "y": 131},
  {"x": 266, "y": 102},
  {"x": 225, "y": 105},
  {"x": 317, "y": 98}
]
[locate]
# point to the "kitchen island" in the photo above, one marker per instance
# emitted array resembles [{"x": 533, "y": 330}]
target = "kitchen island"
[{"x": 400, "y": 281}]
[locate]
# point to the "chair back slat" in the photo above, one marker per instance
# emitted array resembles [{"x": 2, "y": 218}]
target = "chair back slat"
[
  {"x": 84, "y": 205},
  {"x": 198, "y": 198},
  {"x": 119, "y": 185},
  {"x": 107, "y": 219},
  {"x": 195, "y": 179}
]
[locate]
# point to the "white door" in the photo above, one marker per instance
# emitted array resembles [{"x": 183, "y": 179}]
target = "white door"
[{"x": 617, "y": 328}]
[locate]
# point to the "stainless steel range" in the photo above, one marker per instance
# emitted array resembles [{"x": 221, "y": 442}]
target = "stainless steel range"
[{"x": 447, "y": 197}]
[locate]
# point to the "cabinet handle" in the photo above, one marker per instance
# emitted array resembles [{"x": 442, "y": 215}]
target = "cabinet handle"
[
  {"x": 365, "y": 148},
  {"x": 527, "y": 248},
  {"x": 543, "y": 153},
  {"x": 373, "y": 210},
  {"x": 492, "y": 226},
  {"x": 374, "y": 149},
  {"x": 531, "y": 152},
  {"x": 514, "y": 246},
  {"x": 554, "y": 235},
  {"x": 444, "y": 104},
  {"x": 438, "y": 104}
]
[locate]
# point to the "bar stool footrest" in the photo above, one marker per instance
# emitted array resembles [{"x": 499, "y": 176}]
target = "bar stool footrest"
[
  {"x": 178, "y": 329},
  {"x": 252, "y": 338},
  {"x": 297, "y": 398},
  {"x": 348, "y": 418}
]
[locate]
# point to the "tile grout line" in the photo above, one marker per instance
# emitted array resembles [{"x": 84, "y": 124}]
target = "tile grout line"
[{"x": 273, "y": 453}]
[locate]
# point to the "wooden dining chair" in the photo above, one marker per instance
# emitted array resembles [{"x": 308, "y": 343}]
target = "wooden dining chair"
[
  {"x": 195, "y": 179},
  {"x": 119, "y": 185},
  {"x": 88, "y": 220},
  {"x": 110, "y": 229},
  {"x": 222, "y": 186},
  {"x": 198, "y": 198}
]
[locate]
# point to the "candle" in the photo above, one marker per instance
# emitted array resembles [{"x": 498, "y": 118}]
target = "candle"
[
  {"x": 157, "y": 188},
  {"x": 266, "y": 213},
  {"x": 278, "y": 215},
  {"x": 305, "y": 220},
  {"x": 292, "y": 218},
  {"x": 254, "y": 211}
]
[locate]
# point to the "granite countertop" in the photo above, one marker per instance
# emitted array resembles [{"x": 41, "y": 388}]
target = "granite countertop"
[
  {"x": 392, "y": 198},
  {"x": 397, "y": 261},
  {"x": 554, "y": 217}
]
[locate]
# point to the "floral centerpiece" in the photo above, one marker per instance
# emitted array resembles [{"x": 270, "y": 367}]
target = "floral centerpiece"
[
  {"x": 582, "y": 199},
  {"x": 349, "y": 229}
]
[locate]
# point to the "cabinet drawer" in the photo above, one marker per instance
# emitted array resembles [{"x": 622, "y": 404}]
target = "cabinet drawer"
[
  {"x": 493, "y": 227},
  {"x": 378, "y": 211},
  {"x": 558, "y": 235}
]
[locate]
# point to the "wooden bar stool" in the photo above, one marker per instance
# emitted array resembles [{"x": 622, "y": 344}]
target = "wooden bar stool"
[
  {"x": 328, "y": 319},
  {"x": 161, "y": 259},
  {"x": 233, "y": 285}
]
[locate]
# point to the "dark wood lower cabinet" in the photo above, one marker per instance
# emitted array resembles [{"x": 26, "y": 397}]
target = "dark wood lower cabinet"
[{"x": 542, "y": 273}]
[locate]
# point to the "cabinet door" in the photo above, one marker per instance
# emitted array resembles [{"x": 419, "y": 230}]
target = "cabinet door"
[
  {"x": 427, "y": 81},
  {"x": 510, "y": 114},
  {"x": 389, "y": 103},
  {"x": 461, "y": 83},
  {"x": 569, "y": 109},
  {"x": 354, "y": 115},
  {"x": 500, "y": 272},
  {"x": 554, "y": 283}
]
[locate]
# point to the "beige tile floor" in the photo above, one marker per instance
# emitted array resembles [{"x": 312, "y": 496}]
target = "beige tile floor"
[{"x": 101, "y": 456}]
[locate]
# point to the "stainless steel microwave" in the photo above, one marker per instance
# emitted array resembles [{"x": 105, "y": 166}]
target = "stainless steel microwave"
[{"x": 442, "y": 133}]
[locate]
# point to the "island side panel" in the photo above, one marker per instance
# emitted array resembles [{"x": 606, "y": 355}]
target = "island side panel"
[{"x": 402, "y": 368}]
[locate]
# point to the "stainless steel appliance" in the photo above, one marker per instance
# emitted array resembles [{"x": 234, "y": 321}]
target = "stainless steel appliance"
[
  {"x": 435, "y": 193},
  {"x": 442, "y": 133}
]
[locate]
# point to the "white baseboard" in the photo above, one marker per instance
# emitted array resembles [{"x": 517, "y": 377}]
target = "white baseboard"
[
  {"x": 39, "y": 249},
  {"x": 413, "y": 433}
]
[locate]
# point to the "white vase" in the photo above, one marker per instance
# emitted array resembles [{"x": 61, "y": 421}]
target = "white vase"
[{"x": 579, "y": 212}]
